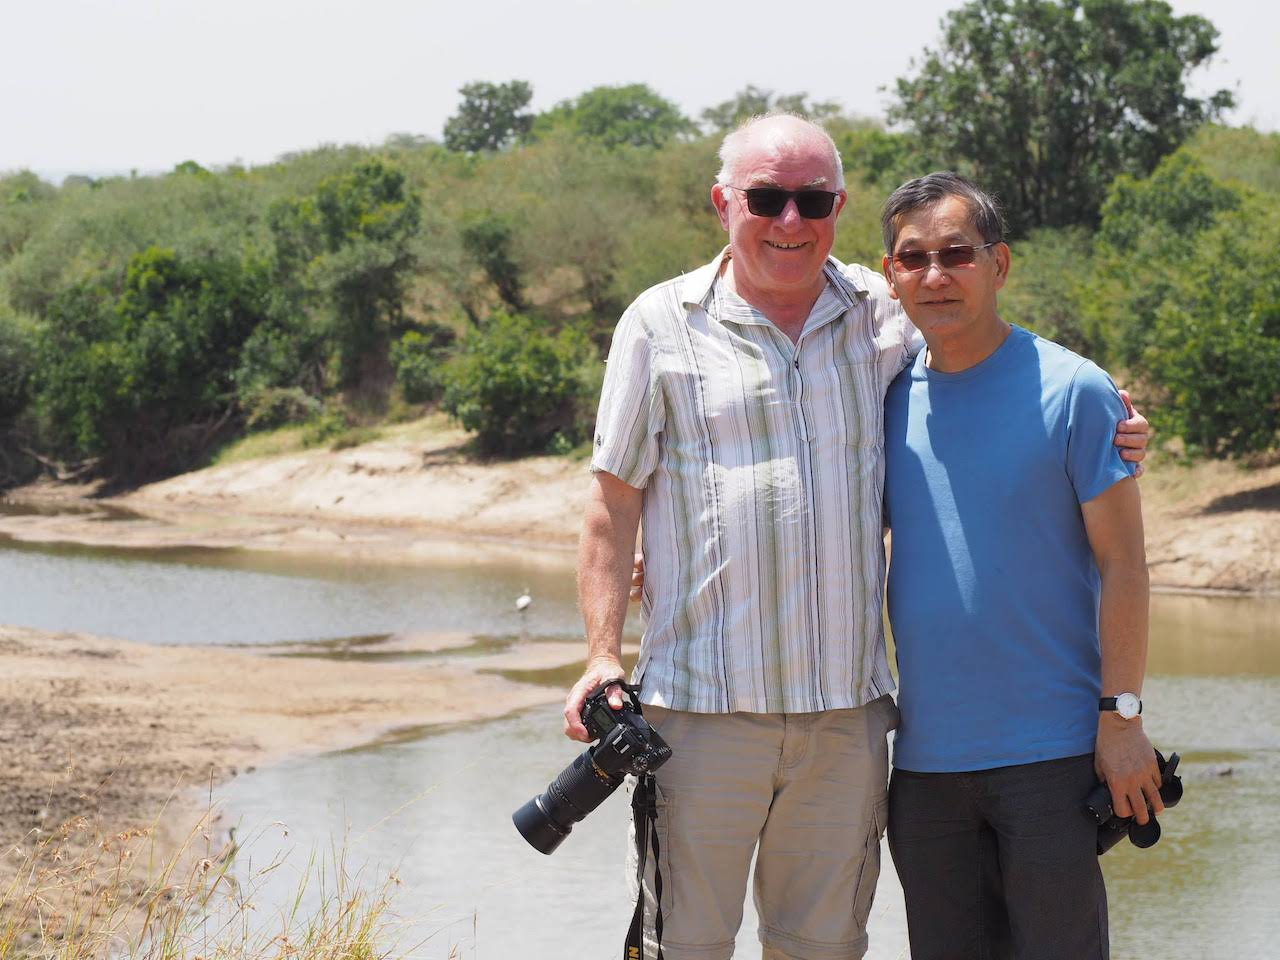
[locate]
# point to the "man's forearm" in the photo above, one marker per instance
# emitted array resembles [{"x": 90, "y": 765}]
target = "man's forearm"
[
  {"x": 605, "y": 557},
  {"x": 1113, "y": 521},
  {"x": 1122, "y": 625}
]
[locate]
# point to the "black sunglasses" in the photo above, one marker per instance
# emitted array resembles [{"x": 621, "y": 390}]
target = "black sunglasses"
[
  {"x": 771, "y": 201},
  {"x": 961, "y": 255}
]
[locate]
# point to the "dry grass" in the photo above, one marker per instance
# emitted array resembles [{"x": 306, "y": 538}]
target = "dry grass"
[{"x": 77, "y": 894}]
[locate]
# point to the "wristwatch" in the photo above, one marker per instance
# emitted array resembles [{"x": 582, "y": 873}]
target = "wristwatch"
[{"x": 1126, "y": 704}]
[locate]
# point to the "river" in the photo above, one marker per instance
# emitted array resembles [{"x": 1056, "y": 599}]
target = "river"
[{"x": 434, "y": 807}]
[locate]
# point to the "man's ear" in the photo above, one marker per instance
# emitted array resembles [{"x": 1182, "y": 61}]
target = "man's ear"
[
  {"x": 887, "y": 269},
  {"x": 1003, "y": 261},
  {"x": 720, "y": 199}
]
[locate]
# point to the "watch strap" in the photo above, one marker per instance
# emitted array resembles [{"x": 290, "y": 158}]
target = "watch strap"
[{"x": 1109, "y": 703}]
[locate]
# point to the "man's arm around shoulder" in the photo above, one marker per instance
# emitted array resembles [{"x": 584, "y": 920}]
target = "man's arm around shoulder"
[
  {"x": 605, "y": 556},
  {"x": 1124, "y": 757}
]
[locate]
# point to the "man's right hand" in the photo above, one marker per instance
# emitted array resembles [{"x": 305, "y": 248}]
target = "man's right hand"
[
  {"x": 637, "y": 577},
  {"x": 601, "y": 670}
]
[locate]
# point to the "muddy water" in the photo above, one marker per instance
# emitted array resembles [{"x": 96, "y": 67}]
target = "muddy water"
[
  {"x": 435, "y": 808},
  {"x": 181, "y": 596}
]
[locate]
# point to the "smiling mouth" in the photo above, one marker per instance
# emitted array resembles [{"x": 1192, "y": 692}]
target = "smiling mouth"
[{"x": 785, "y": 246}]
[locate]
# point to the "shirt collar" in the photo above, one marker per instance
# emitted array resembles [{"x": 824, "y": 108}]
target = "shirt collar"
[{"x": 695, "y": 288}]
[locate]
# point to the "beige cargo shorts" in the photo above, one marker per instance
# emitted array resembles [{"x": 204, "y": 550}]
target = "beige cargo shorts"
[{"x": 806, "y": 792}]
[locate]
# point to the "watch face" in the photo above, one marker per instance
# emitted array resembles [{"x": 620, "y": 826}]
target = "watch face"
[{"x": 1128, "y": 705}]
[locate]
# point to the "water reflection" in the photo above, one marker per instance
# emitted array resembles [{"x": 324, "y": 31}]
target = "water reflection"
[
  {"x": 180, "y": 596},
  {"x": 1214, "y": 635}
]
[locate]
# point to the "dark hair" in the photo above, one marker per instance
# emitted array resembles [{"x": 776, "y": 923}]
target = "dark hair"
[{"x": 931, "y": 188}]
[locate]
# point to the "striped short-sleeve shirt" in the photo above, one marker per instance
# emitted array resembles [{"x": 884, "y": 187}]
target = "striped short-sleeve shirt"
[{"x": 762, "y": 468}]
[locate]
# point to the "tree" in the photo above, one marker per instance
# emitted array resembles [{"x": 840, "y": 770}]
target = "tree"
[
  {"x": 1046, "y": 291},
  {"x": 632, "y": 114},
  {"x": 1215, "y": 347},
  {"x": 519, "y": 386},
  {"x": 1240, "y": 154},
  {"x": 1046, "y": 101},
  {"x": 878, "y": 157},
  {"x": 486, "y": 238},
  {"x": 348, "y": 250},
  {"x": 490, "y": 117},
  {"x": 24, "y": 201},
  {"x": 144, "y": 380},
  {"x": 1150, "y": 231},
  {"x": 751, "y": 101},
  {"x": 1186, "y": 294},
  {"x": 17, "y": 364}
]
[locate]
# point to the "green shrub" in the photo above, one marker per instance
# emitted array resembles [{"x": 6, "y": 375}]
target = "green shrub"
[
  {"x": 145, "y": 380},
  {"x": 418, "y": 357},
  {"x": 275, "y": 407},
  {"x": 518, "y": 386},
  {"x": 1215, "y": 344},
  {"x": 325, "y": 428}
]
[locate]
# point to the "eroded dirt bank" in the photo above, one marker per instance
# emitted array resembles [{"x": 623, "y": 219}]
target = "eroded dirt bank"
[{"x": 1212, "y": 527}]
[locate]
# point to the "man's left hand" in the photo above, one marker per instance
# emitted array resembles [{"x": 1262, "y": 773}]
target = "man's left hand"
[
  {"x": 1133, "y": 434},
  {"x": 1126, "y": 762}
]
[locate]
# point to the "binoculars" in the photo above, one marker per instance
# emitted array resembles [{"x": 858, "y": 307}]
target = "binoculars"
[{"x": 1111, "y": 828}]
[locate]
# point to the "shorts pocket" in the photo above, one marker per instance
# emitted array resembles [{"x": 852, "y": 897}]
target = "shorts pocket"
[{"x": 869, "y": 875}]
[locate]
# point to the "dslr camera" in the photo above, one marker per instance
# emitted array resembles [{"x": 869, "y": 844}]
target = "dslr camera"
[
  {"x": 626, "y": 745},
  {"x": 1111, "y": 828}
]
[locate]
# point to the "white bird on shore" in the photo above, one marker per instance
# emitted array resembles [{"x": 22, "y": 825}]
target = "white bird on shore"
[{"x": 523, "y": 601}]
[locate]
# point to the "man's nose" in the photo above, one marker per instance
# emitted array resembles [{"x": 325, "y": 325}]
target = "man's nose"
[
  {"x": 790, "y": 215},
  {"x": 934, "y": 274}
]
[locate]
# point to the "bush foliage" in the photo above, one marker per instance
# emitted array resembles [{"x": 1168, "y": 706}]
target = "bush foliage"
[{"x": 520, "y": 387}]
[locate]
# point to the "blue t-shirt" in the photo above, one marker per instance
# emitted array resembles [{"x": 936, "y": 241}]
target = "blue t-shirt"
[{"x": 993, "y": 588}]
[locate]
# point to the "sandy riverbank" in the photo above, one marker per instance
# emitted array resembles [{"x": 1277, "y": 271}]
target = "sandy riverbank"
[
  {"x": 113, "y": 731},
  {"x": 1212, "y": 527}
]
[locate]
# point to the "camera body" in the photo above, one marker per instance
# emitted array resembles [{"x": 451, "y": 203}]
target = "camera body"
[
  {"x": 626, "y": 744},
  {"x": 1111, "y": 828}
]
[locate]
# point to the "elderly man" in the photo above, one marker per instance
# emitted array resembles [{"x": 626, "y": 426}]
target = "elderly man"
[
  {"x": 1018, "y": 600},
  {"x": 741, "y": 417}
]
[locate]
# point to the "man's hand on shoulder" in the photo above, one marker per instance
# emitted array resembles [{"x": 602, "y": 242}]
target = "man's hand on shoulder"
[
  {"x": 599, "y": 670},
  {"x": 1133, "y": 435},
  {"x": 1126, "y": 762}
]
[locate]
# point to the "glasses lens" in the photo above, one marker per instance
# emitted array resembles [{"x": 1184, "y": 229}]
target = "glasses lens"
[
  {"x": 957, "y": 256},
  {"x": 815, "y": 204},
  {"x": 912, "y": 260},
  {"x": 766, "y": 201},
  {"x": 771, "y": 201}
]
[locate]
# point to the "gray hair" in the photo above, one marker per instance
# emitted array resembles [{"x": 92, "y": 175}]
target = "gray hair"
[
  {"x": 735, "y": 144},
  {"x": 984, "y": 210}
]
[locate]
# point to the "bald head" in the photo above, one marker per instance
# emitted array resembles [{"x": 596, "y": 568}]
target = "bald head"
[{"x": 777, "y": 135}]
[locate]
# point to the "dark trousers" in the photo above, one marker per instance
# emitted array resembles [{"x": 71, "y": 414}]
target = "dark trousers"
[{"x": 1000, "y": 864}]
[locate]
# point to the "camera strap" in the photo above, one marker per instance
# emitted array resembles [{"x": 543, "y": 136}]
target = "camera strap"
[{"x": 644, "y": 809}]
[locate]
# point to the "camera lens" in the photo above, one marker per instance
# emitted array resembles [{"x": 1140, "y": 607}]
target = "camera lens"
[{"x": 547, "y": 819}]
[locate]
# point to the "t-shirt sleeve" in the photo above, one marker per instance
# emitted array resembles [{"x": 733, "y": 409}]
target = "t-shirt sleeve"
[
  {"x": 1094, "y": 408},
  {"x": 631, "y": 414}
]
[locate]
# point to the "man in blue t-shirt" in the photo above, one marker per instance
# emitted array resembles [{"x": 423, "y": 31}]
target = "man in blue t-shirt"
[{"x": 1018, "y": 600}]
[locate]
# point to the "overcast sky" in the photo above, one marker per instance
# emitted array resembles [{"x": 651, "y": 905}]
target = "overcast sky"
[{"x": 88, "y": 86}]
